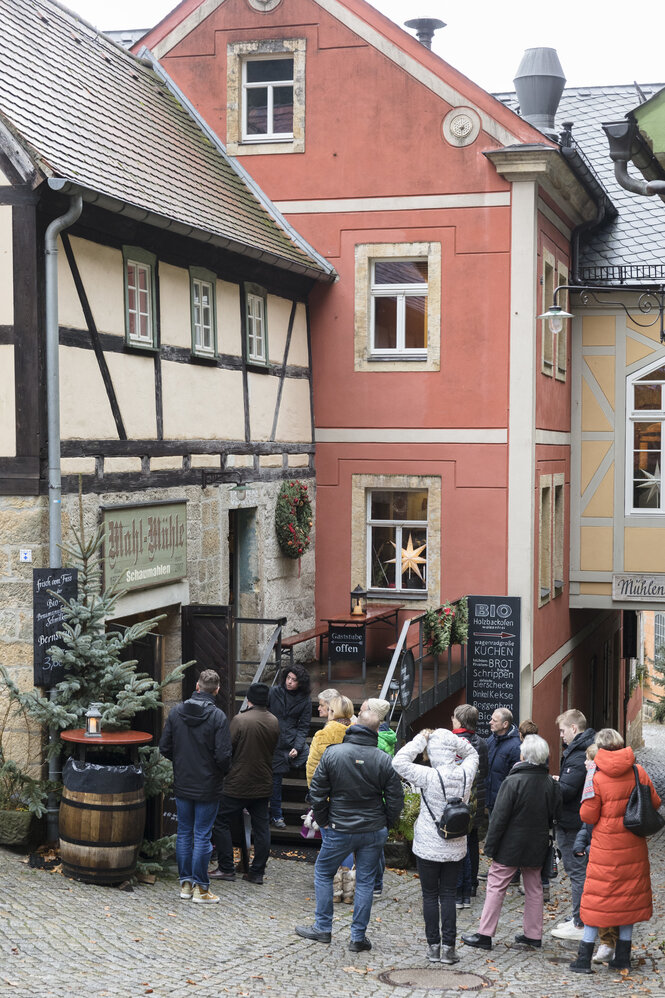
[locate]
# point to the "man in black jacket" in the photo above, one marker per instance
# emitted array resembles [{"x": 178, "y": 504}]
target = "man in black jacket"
[
  {"x": 572, "y": 774},
  {"x": 196, "y": 739},
  {"x": 254, "y": 735},
  {"x": 356, "y": 796}
]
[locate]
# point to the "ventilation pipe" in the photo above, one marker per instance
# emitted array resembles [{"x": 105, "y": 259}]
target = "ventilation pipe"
[
  {"x": 539, "y": 83},
  {"x": 424, "y": 28}
]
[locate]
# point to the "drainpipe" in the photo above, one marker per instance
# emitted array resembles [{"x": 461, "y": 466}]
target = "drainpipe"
[
  {"x": 621, "y": 136},
  {"x": 53, "y": 430}
]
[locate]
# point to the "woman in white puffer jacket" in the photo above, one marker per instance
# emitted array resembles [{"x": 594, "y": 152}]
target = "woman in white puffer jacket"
[{"x": 456, "y": 761}]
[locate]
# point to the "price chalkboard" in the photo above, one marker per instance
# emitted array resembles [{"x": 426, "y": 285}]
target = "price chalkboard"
[
  {"x": 493, "y": 657},
  {"x": 48, "y": 616}
]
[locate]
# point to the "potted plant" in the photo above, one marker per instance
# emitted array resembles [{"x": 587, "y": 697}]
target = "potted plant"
[
  {"x": 21, "y": 797},
  {"x": 398, "y": 847}
]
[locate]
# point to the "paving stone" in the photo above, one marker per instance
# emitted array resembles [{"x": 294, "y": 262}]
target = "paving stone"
[{"x": 59, "y": 938}]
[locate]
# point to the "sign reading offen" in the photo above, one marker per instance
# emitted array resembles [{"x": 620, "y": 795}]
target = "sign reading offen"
[{"x": 144, "y": 545}]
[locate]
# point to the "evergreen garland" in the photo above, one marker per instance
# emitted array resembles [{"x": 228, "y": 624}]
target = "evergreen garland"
[
  {"x": 460, "y": 633},
  {"x": 293, "y": 519},
  {"x": 438, "y": 625}
]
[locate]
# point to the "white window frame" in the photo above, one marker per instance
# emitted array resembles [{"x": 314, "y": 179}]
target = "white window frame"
[
  {"x": 136, "y": 260},
  {"x": 401, "y": 292},
  {"x": 400, "y": 526},
  {"x": 201, "y": 327},
  {"x": 256, "y": 327},
  {"x": 238, "y": 55},
  {"x": 643, "y": 416},
  {"x": 560, "y": 354},
  {"x": 365, "y": 359},
  {"x": 270, "y": 135}
]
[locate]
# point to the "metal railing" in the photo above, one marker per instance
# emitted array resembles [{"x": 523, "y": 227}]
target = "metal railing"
[
  {"x": 448, "y": 675},
  {"x": 273, "y": 645}
]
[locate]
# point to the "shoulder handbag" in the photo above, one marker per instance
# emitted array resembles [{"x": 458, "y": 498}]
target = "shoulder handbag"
[
  {"x": 641, "y": 818},
  {"x": 551, "y": 864},
  {"x": 456, "y": 817}
]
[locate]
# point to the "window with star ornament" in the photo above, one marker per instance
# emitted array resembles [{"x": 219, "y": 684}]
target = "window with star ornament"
[{"x": 397, "y": 540}]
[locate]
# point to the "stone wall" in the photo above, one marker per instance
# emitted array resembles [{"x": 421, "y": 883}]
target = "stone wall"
[{"x": 279, "y": 586}]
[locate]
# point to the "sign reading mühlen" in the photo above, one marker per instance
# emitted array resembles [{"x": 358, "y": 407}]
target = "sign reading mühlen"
[
  {"x": 493, "y": 656},
  {"x": 638, "y": 587},
  {"x": 48, "y": 614},
  {"x": 145, "y": 545}
]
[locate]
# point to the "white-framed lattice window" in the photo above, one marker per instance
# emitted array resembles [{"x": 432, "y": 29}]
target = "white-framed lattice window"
[
  {"x": 398, "y": 321},
  {"x": 560, "y": 354},
  {"x": 397, "y": 318},
  {"x": 397, "y": 540},
  {"x": 551, "y": 537},
  {"x": 265, "y": 96},
  {"x": 203, "y": 309},
  {"x": 545, "y": 540},
  {"x": 659, "y": 632},
  {"x": 645, "y": 403},
  {"x": 548, "y": 337},
  {"x": 256, "y": 324},
  {"x": 139, "y": 284}
]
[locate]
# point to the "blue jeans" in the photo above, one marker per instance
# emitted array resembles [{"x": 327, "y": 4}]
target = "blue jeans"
[
  {"x": 192, "y": 844},
  {"x": 345, "y": 862},
  {"x": 335, "y": 846}
]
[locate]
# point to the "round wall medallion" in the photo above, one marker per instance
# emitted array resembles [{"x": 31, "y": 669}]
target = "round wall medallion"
[
  {"x": 461, "y": 126},
  {"x": 264, "y": 5}
]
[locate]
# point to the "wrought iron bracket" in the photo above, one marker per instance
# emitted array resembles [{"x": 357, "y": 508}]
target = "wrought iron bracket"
[{"x": 649, "y": 301}]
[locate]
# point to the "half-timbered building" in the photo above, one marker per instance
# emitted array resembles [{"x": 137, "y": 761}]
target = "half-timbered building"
[{"x": 183, "y": 399}]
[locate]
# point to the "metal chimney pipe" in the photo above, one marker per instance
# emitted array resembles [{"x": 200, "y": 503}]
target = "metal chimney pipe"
[
  {"x": 424, "y": 28},
  {"x": 539, "y": 83}
]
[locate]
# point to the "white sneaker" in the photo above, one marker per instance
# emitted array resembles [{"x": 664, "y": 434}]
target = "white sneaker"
[
  {"x": 604, "y": 953},
  {"x": 568, "y": 930}
]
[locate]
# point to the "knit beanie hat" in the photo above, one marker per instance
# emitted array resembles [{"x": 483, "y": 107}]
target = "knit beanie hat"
[
  {"x": 378, "y": 707},
  {"x": 257, "y": 694}
]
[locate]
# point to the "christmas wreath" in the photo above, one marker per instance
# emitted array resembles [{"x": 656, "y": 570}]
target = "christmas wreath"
[{"x": 293, "y": 519}]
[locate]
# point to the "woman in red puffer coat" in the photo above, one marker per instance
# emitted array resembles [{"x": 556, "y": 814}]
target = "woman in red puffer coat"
[{"x": 617, "y": 889}]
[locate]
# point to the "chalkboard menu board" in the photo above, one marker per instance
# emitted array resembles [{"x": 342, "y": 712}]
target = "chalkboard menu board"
[
  {"x": 48, "y": 616},
  {"x": 346, "y": 643},
  {"x": 493, "y": 657}
]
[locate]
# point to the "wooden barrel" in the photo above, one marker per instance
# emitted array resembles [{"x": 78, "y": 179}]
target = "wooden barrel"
[{"x": 102, "y": 818}]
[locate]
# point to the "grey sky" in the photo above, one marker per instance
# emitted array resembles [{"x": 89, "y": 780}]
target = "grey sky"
[{"x": 597, "y": 42}]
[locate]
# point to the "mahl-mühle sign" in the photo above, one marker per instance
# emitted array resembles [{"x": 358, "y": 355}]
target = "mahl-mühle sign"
[
  {"x": 638, "y": 587},
  {"x": 144, "y": 545}
]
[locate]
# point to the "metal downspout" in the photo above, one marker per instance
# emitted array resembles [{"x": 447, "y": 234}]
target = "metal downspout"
[{"x": 53, "y": 431}]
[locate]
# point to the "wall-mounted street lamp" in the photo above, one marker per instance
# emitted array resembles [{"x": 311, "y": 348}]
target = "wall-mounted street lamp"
[{"x": 649, "y": 301}]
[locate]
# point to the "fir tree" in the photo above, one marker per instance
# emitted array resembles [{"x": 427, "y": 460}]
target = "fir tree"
[{"x": 93, "y": 671}]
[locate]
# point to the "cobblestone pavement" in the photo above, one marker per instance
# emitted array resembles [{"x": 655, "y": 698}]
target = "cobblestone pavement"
[{"x": 61, "y": 938}]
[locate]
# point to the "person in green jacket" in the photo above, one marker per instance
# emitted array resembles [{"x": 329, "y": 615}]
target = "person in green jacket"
[{"x": 387, "y": 742}]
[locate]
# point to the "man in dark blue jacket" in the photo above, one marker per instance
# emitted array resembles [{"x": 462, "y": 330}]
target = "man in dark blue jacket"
[
  {"x": 356, "y": 796},
  {"x": 503, "y": 751},
  {"x": 197, "y": 741},
  {"x": 572, "y": 773}
]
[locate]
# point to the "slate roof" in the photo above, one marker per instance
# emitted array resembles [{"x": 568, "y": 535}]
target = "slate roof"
[
  {"x": 637, "y": 236},
  {"x": 88, "y": 111}
]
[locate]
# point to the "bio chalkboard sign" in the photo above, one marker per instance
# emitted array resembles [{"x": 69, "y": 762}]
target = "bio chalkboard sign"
[
  {"x": 346, "y": 643},
  {"x": 48, "y": 616},
  {"x": 493, "y": 657}
]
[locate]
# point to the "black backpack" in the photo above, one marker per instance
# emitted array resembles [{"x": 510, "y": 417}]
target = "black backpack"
[{"x": 456, "y": 818}]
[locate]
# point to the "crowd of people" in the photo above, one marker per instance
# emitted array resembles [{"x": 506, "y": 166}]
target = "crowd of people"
[{"x": 501, "y": 785}]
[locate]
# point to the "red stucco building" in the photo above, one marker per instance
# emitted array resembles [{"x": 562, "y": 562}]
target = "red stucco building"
[{"x": 442, "y": 405}]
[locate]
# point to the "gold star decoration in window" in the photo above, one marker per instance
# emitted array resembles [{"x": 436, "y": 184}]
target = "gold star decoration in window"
[{"x": 410, "y": 557}]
